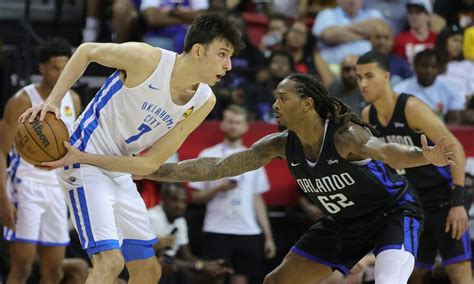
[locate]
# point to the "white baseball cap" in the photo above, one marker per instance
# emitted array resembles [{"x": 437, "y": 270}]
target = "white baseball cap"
[{"x": 425, "y": 4}]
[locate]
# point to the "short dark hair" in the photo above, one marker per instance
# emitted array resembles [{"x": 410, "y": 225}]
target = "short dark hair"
[
  {"x": 168, "y": 188},
  {"x": 208, "y": 27},
  {"x": 283, "y": 53},
  {"x": 375, "y": 56},
  {"x": 426, "y": 54},
  {"x": 278, "y": 17},
  {"x": 238, "y": 110},
  {"x": 53, "y": 47}
]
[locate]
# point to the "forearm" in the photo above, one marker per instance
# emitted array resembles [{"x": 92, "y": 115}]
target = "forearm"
[
  {"x": 125, "y": 164},
  {"x": 365, "y": 28},
  {"x": 203, "y": 196},
  {"x": 71, "y": 73},
  {"x": 399, "y": 156},
  {"x": 337, "y": 35},
  {"x": 3, "y": 178},
  {"x": 458, "y": 172},
  {"x": 323, "y": 69},
  {"x": 262, "y": 217}
]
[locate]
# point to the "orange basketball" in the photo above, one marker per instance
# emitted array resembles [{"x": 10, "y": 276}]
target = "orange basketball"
[{"x": 41, "y": 141}]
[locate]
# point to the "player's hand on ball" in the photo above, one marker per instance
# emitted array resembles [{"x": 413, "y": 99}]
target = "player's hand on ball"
[
  {"x": 41, "y": 109},
  {"x": 72, "y": 156},
  {"x": 440, "y": 154}
]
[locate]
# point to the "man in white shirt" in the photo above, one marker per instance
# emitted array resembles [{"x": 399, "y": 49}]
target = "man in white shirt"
[
  {"x": 235, "y": 207},
  {"x": 441, "y": 95},
  {"x": 345, "y": 29},
  {"x": 175, "y": 256}
]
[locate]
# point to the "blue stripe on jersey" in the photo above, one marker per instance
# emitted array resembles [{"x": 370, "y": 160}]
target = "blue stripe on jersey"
[
  {"x": 14, "y": 164},
  {"x": 407, "y": 240},
  {"x": 76, "y": 218},
  {"x": 89, "y": 111},
  {"x": 377, "y": 168},
  {"x": 93, "y": 124},
  {"x": 85, "y": 215},
  {"x": 443, "y": 171}
]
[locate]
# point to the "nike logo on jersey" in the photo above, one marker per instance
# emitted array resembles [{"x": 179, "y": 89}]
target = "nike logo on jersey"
[
  {"x": 398, "y": 124},
  {"x": 330, "y": 162},
  {"x": 294, "y": 164},
  {"x": 151, "y": 86}
]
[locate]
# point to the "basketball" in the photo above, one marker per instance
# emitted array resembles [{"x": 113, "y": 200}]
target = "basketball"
[{"x": 41, "y": 141}]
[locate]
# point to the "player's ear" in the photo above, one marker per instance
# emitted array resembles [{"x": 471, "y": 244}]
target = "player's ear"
[
  {"x": 308, "y": 104},
  {"x": 198, "y": 49},
  {"x": 41, "y": 68}
]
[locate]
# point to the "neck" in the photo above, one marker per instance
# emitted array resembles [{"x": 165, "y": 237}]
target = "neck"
[
  {"x": 183, "y": 77},
  {"x": 232, "y": 143},
  {"x": 385, "y": 105},
  {"x": 44, "y": 89},
  {"x": 310, "y": 130},
  {"x": 421, "y": 32}
]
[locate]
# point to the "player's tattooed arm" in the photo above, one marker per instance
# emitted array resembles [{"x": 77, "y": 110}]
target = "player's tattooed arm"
[
  {"x": 357, "y": 143},
  {"x": 263, "y": 151}
]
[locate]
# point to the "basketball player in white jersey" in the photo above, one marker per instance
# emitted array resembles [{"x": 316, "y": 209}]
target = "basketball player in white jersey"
[
  {"x": 33, "y": 209},
  {"x": 138, "y": 119}
]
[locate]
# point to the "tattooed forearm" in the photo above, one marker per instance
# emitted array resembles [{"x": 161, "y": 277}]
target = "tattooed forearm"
[{"x": 202, "y": 169}]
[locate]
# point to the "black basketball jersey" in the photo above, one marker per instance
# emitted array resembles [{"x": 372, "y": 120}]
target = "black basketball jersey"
[
  {"x": 343, "y": 189},
  {"x": 427, "y": 180}
]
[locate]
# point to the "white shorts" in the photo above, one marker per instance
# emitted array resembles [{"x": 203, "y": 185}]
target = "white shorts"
[
  {"x": 41, "y": 214},
  {"x": 108, "y": 212}
]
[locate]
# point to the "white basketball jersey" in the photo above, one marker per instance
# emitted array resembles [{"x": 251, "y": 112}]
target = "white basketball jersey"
[
  {"x": 19, "y": 169},
  {"x": 126, "y": 121}
]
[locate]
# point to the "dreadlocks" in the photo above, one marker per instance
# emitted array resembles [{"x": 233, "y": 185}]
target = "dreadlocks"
[{"x": 327, "y": 107}]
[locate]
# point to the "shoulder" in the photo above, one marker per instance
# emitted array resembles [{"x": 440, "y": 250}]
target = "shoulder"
[
  {"x": 365, "y": 113},
  {"x": 20, "y": 100},
  {"x": 354, "y": 136},
  {"x": 272, "y": 145}
]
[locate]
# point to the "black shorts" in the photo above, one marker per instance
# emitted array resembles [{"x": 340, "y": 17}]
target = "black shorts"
[
  {"x": 342, "y": 246},
  {"x": 434, "y": 240},
  {"x": 244, "y": 252}
]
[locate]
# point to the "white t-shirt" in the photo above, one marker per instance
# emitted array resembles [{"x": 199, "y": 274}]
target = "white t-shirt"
[
  {"x": 162, "y": 227},
  {"x": 194, "y": 5},
  {"x": 233, "y": 212},
  {"x": 442, "y": 96}
]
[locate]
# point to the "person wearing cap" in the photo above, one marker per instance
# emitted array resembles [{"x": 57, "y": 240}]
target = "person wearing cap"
[{"x": 419, "y": 35}]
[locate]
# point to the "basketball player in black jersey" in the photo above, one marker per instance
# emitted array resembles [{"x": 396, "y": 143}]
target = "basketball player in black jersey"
[
  {"x": 340, "y": 166},
  {"x": 401, "y": 118}
]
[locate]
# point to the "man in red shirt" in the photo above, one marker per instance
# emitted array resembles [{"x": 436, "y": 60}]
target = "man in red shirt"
[{"x": 419, "y": 36}]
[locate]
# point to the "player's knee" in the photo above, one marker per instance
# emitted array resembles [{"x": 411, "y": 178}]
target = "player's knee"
[
  {"x": 21, "y": 268},
  {"x": 459, "y": 273},
  {"x": 51, "y": 274},
  {"x": 110, "y": 260}
]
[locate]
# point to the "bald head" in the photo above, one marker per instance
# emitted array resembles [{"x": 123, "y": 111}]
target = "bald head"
[
  {"x": 382, "y": 39},
  {"x": 348, "y": 74}
]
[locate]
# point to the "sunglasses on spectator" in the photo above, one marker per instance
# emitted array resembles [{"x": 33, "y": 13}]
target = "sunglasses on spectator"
[{"x": 348, "y": 68}]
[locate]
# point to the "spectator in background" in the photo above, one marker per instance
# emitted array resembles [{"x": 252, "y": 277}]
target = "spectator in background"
[
  {"x": 345, "y": 30},
  {"x": 173, "y": 250},
  {"x": 125, "y": 20},
  {"x": 259, "y": 97},
  {"x": 295, "y": 9},
  {"x": 345, "y": 88},
  {"x": 439, "y": 94},
  {"x": 272, "y": 40},
  {"x": 382, "y": 41},
  {"x": 167, "y": 21},
  {"x": 234, "y": 205},
  {"x": 460, "y": 12},
  {"x": 454, "y": 68},
  {"x": 301, "y": 45},
  {"x": 419, "y": 36}
]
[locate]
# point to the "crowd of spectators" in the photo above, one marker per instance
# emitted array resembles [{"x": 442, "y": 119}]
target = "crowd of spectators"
[{"x": 315, "y": 37}]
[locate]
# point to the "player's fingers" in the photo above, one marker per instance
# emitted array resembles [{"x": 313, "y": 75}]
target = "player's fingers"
[
  {"x": 24, "y": 116},
  {"x": 454, "y": 230},
  {"x": 424, "y": 142},
  {"x": 447, "y": 226}
]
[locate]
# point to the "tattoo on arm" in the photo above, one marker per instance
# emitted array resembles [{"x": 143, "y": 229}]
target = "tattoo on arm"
[{"x": 200, "y": 169}]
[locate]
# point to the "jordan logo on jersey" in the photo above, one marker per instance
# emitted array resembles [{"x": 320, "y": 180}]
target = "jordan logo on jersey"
[
  {"x": 397, "y": 124},
  {"x": 188, "y": 112}
]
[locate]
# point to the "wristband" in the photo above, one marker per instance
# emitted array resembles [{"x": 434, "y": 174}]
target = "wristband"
[{"x": 457, "y": 196}]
